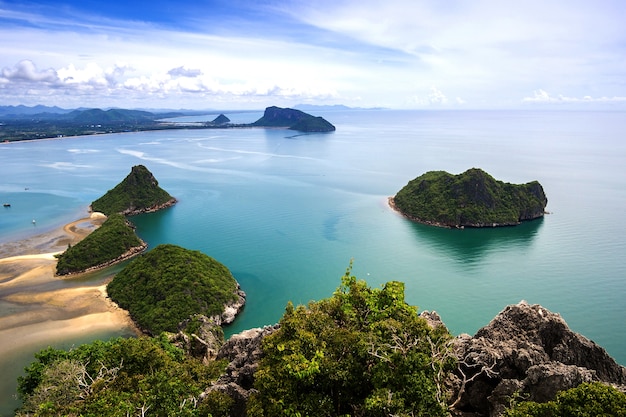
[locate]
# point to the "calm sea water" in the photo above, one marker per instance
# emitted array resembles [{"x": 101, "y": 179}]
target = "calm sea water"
[{"x": 288, "y": 212}]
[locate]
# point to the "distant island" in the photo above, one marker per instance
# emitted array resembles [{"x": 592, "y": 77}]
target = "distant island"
[
  {"x": 41, "y": 122},
  {"x": 471, "y": 199}
]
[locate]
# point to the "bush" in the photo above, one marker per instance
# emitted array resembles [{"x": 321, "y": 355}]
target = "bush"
[
  {"x": 587, "y": 400},
  {"x": 361, "y": 352}
]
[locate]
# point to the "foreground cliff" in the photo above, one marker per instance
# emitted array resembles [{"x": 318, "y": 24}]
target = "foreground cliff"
[
  {"x": 471, "y": 199},
  {"x": 525, "y": 352}
]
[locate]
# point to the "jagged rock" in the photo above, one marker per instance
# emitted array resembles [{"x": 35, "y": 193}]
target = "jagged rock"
[
  {"x": 243, "y": 350},
  {"x": 432, "y": 318},
  {"x": 231, "y": 309},
  {"x": 204, "y": 343},
  {"x": 530, "y": 350}
]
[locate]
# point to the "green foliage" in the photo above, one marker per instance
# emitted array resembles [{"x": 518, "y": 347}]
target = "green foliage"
[
  {"x": 111, "y": 240},
  {"x": 587, "y": 400},
  {"x": 313, "y": 124},
  {"x": 169, "y": 284},
  {"x": 117, "y": 378},
  {"x": 138, "y": 191},
  {"x": 362, "y": 352},
  {"x": 473, "y": 198}
]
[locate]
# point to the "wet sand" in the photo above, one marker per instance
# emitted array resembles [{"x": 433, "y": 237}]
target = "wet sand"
[{"x": 37, "y": 308}]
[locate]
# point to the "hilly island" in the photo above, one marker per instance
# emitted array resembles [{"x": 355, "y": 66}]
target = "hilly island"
[{"x": 471, "y": 199}]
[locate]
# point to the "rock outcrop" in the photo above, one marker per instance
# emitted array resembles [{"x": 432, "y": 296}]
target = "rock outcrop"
[
  {"x": 244, "y": 352},
  {"x": 529, "y": 350}
]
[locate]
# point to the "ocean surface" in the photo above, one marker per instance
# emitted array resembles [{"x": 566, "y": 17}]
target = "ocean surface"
[{"x": 287, "y": 212}]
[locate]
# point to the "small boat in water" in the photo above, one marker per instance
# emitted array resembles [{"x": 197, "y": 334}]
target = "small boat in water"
[{"x": 7, "y": 204}]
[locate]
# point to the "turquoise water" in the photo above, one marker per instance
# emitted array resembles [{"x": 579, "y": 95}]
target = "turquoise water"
[{"x": 287, "y": 212}]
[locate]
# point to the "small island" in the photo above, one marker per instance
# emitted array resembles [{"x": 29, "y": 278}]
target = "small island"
[
  {"x": 114, "y": 241},
  {"x": 169, "y": 284},
  {"x": 138, "y": 193},
  {"x": 471, "y": 199}
]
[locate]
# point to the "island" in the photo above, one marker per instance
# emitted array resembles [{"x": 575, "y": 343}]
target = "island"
[
  {"x": 293, "y": 119},
  {"x": 114, "y": 241},
  {"x": 170, "y": 285},
  {"x": 471, "y": 199},
  {"x": 138, "y": 193}
]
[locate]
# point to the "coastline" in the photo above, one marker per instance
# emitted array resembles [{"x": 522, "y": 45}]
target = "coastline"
[{"x": 44, "y": 308}]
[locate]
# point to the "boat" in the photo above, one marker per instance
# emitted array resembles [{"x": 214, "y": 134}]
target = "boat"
[{"x": 7, "y": 204}]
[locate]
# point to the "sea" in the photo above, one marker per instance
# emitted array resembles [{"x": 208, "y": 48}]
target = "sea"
[{"x": 288, "y": 213}]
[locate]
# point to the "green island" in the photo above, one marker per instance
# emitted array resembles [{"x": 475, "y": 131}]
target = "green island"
[
  {"x": 169, "y": 284},
  {"x": 114, "y": 241},
  {"x": 41, "y": 122},
  {"x": 471, "y": 199},
  {"x": 138, "y": 193}
]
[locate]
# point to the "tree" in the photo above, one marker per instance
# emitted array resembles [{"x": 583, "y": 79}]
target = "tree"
[
  {"x": 362, "y": 352},
  {"x": 587, "y": 400}
]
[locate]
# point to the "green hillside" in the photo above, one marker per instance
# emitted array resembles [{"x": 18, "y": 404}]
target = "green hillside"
[
  {"x": 473, "y": 198},
  {"x": 167, "y": 285},
  {"x": 108, "y": 242},
  {"x": 138, "y": 192}
]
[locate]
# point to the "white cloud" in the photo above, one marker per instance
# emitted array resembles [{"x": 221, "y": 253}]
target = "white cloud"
[
  {"x": 26, "y": 71},
  {"x": 436, "y": 96},
  {"x": 184, "y": 72},
  {"x": 541, "y": 96}
]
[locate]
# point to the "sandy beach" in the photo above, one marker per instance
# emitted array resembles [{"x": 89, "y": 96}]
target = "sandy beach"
[{"x": 40, "y": 308}]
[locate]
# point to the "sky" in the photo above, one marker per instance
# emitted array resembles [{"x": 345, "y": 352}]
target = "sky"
[{"x": 238, "y": 54}]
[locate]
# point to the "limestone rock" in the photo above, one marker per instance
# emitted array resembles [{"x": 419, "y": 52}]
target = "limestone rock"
[
  {"x": 243, "y": 350},
  {"x": 527, "y": 349}
]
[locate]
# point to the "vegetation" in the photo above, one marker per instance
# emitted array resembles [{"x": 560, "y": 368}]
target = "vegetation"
[
  {"x": 112, "y": 239},
  {"x": 122, "y": 377},
  {"x": 587, "y": 400},
  {"x": 167, "y": 285},
  {"x": 473, "y": 198},
  {"x": 313, "y": 124},
  {"x": 362, "y": 352},
  {"x": 138, "y": 192}
]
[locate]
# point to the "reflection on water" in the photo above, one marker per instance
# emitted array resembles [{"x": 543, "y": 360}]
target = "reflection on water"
[{"x": 470, "y": 245}]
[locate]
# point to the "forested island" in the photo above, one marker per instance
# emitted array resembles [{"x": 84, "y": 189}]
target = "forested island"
[
  {"x": 471, "y": 199},
  {"x": 19, "y": 123}
]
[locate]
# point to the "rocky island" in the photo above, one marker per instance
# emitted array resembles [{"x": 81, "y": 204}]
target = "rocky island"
[{"x": 471, "y": 199}]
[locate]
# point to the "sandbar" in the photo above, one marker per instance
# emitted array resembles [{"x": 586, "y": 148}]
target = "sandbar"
[{"x": 37, "y": 308}]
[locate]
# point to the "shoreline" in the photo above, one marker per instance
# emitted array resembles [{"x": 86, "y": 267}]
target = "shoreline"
[{"x": 43, "y": 308}]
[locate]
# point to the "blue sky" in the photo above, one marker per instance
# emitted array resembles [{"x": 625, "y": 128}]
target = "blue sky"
[{"x": 423, "y": 54}]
